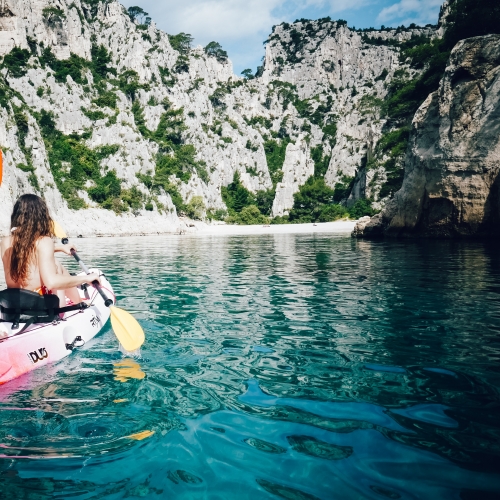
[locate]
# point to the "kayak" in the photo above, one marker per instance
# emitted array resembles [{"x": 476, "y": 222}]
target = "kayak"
[{"x": 44, "y": 343}]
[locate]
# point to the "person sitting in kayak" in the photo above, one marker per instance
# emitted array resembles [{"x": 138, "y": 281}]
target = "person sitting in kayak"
[{"x": 28, "y": 253}]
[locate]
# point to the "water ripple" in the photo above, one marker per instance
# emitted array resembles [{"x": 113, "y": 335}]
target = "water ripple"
[{"x": 278, "y": 366}]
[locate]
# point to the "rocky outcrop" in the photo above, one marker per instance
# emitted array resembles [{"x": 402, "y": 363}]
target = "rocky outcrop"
[
  {"x": 297, "y": 168},
  {"x": 345, "y": 72},
  {"x": 321, "y": 87},
  {"x": 451, "y": 185}
]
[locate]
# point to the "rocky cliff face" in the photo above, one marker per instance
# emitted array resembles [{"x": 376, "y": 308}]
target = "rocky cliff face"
[
  {"x": 119, "y": 130},
  {"x": 452, "y": 184}
]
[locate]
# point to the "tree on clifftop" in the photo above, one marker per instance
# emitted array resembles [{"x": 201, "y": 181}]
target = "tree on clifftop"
[
  {"x": 247, "y": 73},
  {"x": 138, "y": 14},
  {"x": 181, "y": 42},
  {"x": 214, "y": 49}
]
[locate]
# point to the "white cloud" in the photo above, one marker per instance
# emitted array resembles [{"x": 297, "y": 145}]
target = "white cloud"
[
  {"x": 239, "y": 25},
  {"x": 335, "y": 6},
  {"x": 213, "y": 19},
  {"x": 405, "y": 12}
]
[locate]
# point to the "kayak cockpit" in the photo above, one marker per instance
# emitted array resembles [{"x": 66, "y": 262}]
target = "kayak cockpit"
[
  {"x": 18, "y": 306},
  {"x": 48, "y": 337}
]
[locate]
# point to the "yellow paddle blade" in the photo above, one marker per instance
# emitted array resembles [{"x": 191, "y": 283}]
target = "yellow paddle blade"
[
  {"x": 127, "y": 330},
  {"x": 141, "y": 435},
  {"x": 127, "y": 369},
  {"x": 58, "y": 230}
]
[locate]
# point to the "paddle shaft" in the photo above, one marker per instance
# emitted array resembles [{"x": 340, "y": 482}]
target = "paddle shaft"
[
  {"x": 107, "y": 301},
  {"x": 127, "y": 330}
]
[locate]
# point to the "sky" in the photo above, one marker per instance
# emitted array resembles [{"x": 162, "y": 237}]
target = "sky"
[{"x": 241, "y": 26}]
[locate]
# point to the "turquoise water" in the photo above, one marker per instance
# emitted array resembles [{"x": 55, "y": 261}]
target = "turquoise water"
[{"x": 286, "y": 366}]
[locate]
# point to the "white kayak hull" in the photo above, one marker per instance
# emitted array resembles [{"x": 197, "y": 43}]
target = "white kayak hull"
[{"x": 46, "y": 343}]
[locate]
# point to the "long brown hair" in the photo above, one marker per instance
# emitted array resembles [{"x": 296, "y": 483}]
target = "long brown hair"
[{"x": 30, "y": 221}]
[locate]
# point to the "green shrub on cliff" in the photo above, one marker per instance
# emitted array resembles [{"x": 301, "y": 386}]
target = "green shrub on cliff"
[
  {"x": 101, "y": 62},
  {"x": 73, "y": 163},
  {"x": 275, "y": 155},
  {"x": 314, "y": 202},
  {"x": 181, "y": 42},
  {"x": 195, "y": 208},
  {"x": 174, "y": 157},
  {"x": 106, "y": 99},
  {"x": 249, "y": 215},
  {"x": 75, "y": 65},
  {"x": 214, "y": 49},
  {"x": 138, "y": 14},
  {"x": 342, "y": 188},
  {"x": 236, "y": 196},
  {"x": 128, "y": 83},
  {"x": 16, "y": 61},
  {"x": 321, "y": 161},
  {"x": 48, "y": 12},
  {"x": 468, "y": 18},
  {"x": 182, "y": 163}
]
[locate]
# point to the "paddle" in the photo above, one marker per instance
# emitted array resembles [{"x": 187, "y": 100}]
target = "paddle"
[{"x": 126, "y": 328}]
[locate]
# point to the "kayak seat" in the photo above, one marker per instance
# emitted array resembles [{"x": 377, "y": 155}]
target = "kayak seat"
[{"x": 23, "y": 306}]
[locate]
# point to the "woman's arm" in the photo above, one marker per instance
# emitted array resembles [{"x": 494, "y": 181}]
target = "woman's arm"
[
  {"x": 48, "y": 269},
  {"x": 59, "y": 247}
]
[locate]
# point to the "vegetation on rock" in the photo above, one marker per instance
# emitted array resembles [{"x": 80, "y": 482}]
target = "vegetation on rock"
[
  {"x": 139, "y": 15},
  {"x": 16, "y": 61},
  {"x": 283, "y": 114},
  {"x": 243, "y": 206},
  {"x": 73, "y": 164},
  {"x": 181, "y": 42},
  {"x": 214, "y": 49}
]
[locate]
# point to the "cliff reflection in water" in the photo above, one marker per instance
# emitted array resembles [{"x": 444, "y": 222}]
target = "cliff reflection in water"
[{"x": 289, "y": 366}]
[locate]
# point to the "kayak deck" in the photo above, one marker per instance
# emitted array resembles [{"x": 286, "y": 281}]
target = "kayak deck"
[{"x": 46, "y": 343}]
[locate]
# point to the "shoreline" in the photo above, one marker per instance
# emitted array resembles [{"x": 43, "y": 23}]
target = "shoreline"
[
  {"x": 339, "y": 227},
  {"x": 188, "y": 227},
  {"x": 199, "y": 228}
]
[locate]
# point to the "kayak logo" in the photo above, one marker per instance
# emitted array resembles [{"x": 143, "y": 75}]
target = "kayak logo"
[
  {"x": 36, "y": 356},
  {"x": 94, "y": 321}
]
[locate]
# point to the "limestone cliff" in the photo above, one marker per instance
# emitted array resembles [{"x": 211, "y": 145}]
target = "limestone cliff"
[
  {"x": 120, "y": 128},
  {"x": 452, "y": 184}
]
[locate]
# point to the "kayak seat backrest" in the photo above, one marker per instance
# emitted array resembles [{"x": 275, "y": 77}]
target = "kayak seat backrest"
[{"x": 18, "y": 306}]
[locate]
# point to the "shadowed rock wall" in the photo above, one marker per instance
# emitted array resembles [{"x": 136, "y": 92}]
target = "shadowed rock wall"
[{"x": 452, "y": 185}]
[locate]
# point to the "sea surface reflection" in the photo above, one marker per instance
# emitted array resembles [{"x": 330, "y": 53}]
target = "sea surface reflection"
[{"x": 278, "y": 366}]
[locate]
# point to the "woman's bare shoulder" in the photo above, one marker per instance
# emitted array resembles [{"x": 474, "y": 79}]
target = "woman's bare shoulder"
[
  {"x": 5, "y": 242},
  {"x": 45, "y": 242}
]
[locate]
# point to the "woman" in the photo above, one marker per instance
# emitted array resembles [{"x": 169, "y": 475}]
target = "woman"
[{"x": 28, "y": 253}]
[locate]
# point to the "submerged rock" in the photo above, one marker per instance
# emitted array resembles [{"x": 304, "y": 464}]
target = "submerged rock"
[{"x": 451, "y": 185}]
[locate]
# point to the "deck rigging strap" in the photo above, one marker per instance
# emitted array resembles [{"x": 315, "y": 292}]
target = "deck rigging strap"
[{"x": 36, "y": 316}]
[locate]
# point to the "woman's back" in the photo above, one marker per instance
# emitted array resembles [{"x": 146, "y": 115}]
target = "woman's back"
[
  {"x": 28, "y": 253},
  {"x": 33, "y": 280}
]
